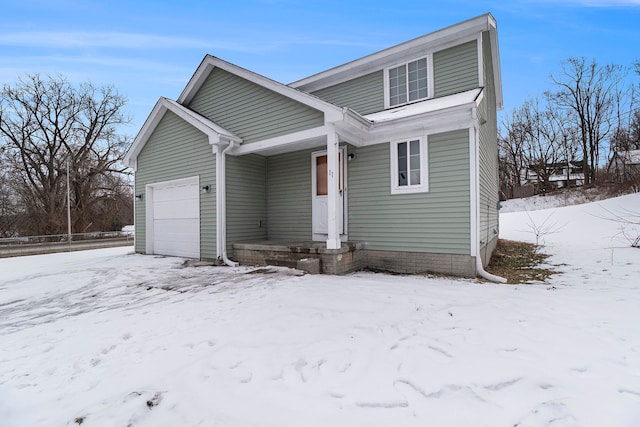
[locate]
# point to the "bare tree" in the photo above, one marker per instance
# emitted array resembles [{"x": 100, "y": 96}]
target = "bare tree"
[
  {"x": 511, "y": 150},
  {"x": 9, "y": 209},
  {"x": 535, "y": 138},
  {"x": 589, "y": 91},
  {"x": 47, "y": 124}
]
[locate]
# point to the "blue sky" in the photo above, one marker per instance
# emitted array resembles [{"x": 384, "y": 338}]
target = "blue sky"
[{"x": 148, "y": 49}]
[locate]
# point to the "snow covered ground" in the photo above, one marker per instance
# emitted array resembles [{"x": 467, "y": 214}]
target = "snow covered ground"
[
  {"x": 109, "y": 338},
  {"x": 564, "y": 197}
]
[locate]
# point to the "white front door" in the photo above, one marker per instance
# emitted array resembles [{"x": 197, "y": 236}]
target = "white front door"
[{"x": 319, "y": 192}]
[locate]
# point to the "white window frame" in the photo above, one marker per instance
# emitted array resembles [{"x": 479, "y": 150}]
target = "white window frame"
[
  {"x": 423, "y": 187},
  {"x": 387, "y": 89}
]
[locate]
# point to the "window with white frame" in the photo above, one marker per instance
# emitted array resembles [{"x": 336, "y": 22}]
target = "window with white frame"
[
  {"x": 409, "y": 163},
  {"x": 408, "y": 82}
]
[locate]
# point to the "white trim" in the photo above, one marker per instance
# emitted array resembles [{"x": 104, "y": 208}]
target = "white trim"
[
  {"x": 444, "y": 121},
  {"x": 480, "y": 61},
  {"x": 333, "y": 195},
  {"x": 221, "y": 205},
  {"x": 332, "y": 112},
  {"x": 387, "y": 98},
  {"x": 149, "y": 217},
  {"x": 495, "y": 58},
  {"x": 474, "y": 206},
  {"x": 213, "y": 131},
  {"x": 441, "y": 39},
  {"x": 284, "y": 140},
  {"x": 423, "y": 187},
  {"x": 344, "y": 234}
]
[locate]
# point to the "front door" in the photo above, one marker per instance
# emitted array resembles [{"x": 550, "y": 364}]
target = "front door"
[{"x": 320, "y": 191}]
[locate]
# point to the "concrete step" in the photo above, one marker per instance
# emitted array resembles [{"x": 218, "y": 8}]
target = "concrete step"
[
  {"x": 310, "y": 265},
  {"x": 282, "y": 262}
]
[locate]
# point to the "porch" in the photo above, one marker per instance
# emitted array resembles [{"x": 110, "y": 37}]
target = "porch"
[{"x": 309, "y": 256}]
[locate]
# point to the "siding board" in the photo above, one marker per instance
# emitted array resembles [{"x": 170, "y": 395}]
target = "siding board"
[
  {"x": 456, "y": 69},
  {"x": 178, "y": 150},
  {"x": 437, "y": 221},
  {"x": 251, "y": 111},
  {"x": 488, "y": 151},
  {"x": 246, "y": 199},
  {"x": 364, "y": 94},
  {"x": 289, "y": 196}
]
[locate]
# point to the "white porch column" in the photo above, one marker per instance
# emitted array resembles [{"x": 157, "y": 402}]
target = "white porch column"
[{"x": 333, "y": 238}]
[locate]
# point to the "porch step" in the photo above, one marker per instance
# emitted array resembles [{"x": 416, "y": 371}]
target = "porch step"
[
  {"x": 310, "y": 265},
  {"x": 281, "y": 262}
]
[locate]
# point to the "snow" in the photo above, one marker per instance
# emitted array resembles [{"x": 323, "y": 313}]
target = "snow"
[
  {"x": 423, "y": 107},
  {"x": 110, "y": 338},
  {"x": 566, "y": 197}
]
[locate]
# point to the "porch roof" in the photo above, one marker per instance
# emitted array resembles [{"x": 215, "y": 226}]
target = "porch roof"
[
  {"x": 425, "y": 107},
  {"x": 432, "y": 115}
]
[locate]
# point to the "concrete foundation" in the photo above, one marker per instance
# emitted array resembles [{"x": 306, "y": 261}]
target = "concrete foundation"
[{"x": 314, "y": 257}]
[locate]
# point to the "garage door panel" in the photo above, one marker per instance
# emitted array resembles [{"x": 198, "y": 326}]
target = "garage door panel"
[
  {"x": 168, "y": 209},
  {"x": 176, "y": 219},
  {"x": 176, "y": 191},
  {"x": 176, "y": 226}
]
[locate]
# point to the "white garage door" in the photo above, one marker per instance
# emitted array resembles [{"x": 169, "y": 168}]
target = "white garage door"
[{"x": 176, "y": 219}]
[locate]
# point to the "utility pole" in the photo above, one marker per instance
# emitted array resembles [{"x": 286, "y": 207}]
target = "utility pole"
[{"x": 68, "y": 207}]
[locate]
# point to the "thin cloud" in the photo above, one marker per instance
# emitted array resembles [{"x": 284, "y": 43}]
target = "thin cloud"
[
  {"x": 120, "y": 40},
  {"x": 72, "y": 40},
  {"x": 104, "y": 61}
]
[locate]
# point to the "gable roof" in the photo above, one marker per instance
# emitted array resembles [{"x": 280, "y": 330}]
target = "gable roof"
[
  {"x": 438, "y": 40},
  {"x": 332, "y": 112},
  {"x": 215, "y": 132}
]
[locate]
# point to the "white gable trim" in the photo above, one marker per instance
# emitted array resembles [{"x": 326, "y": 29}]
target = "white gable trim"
[
  {"x": 438, "y": 40},
  {"x": 213, "y": 131},
  {"x": 425, "y": 45},
  {"x": 332, "y": 112}
]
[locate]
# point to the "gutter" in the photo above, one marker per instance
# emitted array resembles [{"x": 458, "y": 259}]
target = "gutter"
[
  {"x": 221, "y": 205},
  {"x": 480, "y": 271}
]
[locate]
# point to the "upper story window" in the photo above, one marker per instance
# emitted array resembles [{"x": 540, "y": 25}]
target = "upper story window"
[{"x": 408, "y": 82}]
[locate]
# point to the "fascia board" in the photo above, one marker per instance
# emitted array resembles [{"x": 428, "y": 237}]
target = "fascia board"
[
  {"x": 437, "y": 40},
  {"x": 284, "y": 140},
  {"x": 497, "y": 74},
  {"x": 449, "y": 119},
  {"x": 332, "y": 112},
  {"x": 147, "y": 129},
  {"x": 212, "y": 130},
  {"x": 201, "y": 123}
]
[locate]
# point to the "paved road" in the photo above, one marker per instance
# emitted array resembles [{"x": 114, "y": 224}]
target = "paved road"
[{"x": 46, "y": 248}]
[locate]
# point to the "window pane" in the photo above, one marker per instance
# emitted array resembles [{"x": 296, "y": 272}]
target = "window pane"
[
  {"x": 415, "y": 147},
  {"x": 415, "y": 177},
  {"x": 398, "y": 85},
  {"x": 402, "y": 164},
  {"x": 414, "y": 162},
  {"x": 321, "y": 176},
  {"x": 418, "y": 79}
]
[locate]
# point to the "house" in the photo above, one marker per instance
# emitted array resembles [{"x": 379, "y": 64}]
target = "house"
[
  {"x": 625, "y": 165},
  {"x": 387, "y": 162},
  {"x": 554, "y": 175}
]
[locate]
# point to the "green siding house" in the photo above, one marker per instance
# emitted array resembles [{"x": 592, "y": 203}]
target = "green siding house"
[{"x": 388, "y": 162}]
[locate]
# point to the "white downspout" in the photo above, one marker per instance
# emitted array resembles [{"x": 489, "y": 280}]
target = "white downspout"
[
  {"x": 221, "y": 205},
  {"x": 480, "y": 271}
]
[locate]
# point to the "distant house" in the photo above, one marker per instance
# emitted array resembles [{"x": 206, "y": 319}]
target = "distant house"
[
  {"x": 625, "y": 165},
  {"x": 554, "y": 175},
  {"x": 387, "y": 162}
]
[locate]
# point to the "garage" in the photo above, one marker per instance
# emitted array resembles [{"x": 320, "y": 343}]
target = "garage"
[{"x": 175, "y": 218}]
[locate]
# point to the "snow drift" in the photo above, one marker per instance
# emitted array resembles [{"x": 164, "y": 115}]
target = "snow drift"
[{"x": 105, "y": 337}]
